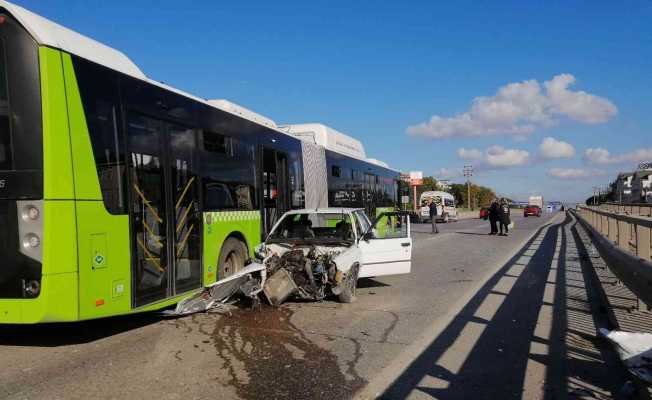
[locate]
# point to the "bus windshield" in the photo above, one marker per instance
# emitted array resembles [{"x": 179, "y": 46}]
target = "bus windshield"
[
  {"x": 5, "y": 133},
  {"x": 21, "y": 131}
]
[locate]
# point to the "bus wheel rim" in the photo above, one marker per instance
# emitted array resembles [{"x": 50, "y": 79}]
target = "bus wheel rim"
[{"x": 229, "y": 264}]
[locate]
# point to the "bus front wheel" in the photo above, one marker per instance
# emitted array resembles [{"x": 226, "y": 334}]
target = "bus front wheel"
[{"x": 232, "y": 258}]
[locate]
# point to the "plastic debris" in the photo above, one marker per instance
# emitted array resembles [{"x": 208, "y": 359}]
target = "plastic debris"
[
  {"x": 635, "y": 350},
  {"x": 248, "y": 282}
]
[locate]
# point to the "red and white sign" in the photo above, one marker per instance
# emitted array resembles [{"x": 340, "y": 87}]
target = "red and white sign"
[{"x": 416, "y": 178}]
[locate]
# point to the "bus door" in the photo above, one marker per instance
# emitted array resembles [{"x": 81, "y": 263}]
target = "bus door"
[
  {"x": 369, "y": 194},
  {"x": 166, "y": 222},
  {"x": 276, "y": 198}
]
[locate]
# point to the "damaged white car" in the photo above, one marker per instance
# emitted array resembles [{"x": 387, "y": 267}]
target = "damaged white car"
[{"x": 310, "y": 254}]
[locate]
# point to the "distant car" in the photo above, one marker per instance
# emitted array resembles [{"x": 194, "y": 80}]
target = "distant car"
[
  {"x": 484, "y": 213},
  {"x": 532, "y": 210}
]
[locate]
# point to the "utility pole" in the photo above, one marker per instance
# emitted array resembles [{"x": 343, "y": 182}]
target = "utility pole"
[
  {"x": 468, "y": 173},
  {"x": 595, "y": 200}
]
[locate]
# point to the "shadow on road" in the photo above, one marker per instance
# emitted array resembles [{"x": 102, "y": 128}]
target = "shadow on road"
[
  {"x": 527, "y": 333},
  {"x": 63, "y": 334},
  {"x": 364, "y": 283},
  {"x": 472, "y": 233}
]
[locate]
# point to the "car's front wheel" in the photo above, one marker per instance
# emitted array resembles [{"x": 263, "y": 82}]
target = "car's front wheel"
[{"x": 350, "y": 285}]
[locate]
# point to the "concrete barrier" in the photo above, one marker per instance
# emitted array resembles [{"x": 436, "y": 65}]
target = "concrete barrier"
[{"x": 634, "y": 271}]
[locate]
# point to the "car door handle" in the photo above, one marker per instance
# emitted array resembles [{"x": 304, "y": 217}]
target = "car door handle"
[{"x": 405, "y": 244}]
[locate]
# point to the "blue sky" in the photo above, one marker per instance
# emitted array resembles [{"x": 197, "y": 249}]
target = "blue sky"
[{"x": 373, "y": 70}]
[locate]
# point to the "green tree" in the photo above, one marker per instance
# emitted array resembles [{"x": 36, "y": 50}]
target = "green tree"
[
  {"x": 458, "y": 191},
  {"x": 481, "y": 196},
  {"x": 429, "y": 184}
]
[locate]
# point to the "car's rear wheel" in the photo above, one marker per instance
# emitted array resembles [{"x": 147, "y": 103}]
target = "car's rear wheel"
[
  {"x": 350, "y": 285},
  {"x": 232, "y": 258}
]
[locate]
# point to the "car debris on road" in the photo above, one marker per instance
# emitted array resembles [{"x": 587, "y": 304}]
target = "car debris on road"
[{"x": 247, "y": 282}]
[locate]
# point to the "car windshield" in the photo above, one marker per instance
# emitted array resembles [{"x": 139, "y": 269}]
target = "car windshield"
[{"x": 314, "y": 227}]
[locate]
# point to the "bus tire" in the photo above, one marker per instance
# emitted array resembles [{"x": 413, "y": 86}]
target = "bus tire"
[
  {"x": 350, "y": 285},
  {"x": 232, "y": 258}
]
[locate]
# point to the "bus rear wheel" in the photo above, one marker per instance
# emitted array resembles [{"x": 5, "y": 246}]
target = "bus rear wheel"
[{"x": 232, "y": 258}]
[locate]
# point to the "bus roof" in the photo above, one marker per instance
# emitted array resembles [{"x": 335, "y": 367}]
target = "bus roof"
[
  {"x": 327, "y": 137},
  {"x": 48, "y": 33}
]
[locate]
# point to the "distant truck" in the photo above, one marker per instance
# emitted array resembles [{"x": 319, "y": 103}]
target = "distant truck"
[{"x": 536, "y": 201}]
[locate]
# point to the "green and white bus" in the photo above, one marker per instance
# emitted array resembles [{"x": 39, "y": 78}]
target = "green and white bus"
[{"x": 119, "y": 194}]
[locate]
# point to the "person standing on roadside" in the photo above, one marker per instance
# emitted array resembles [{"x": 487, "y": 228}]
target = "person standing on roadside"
[
  {"x": 505, "y": 220},
  {"x": 494, "y": 214},
  {"x": 433, "y": 215}
]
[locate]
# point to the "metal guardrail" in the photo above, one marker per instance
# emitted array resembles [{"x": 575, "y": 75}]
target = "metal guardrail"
[
  {"x": 641, "y": 209},
  {"x": 628, "y": 232},
  {"x": 625, "y": 243}
]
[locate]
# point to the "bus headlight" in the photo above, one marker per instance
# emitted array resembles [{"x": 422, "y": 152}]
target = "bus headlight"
[
  {"x": 31, "y": 240},
  {"x": 30, "y": 228},
  {"x": 30, "y": 213},
  {"x": 31, "y": 289}
]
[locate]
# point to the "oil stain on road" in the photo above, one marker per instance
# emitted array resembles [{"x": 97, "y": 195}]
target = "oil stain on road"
[{"x": 267, "y": 356}]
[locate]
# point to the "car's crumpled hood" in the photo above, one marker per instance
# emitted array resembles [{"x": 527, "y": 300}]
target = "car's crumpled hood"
[{"x": 345, "y": 258}]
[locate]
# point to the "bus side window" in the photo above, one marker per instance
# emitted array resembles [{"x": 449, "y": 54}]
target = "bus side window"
[
  {"x": 98, "y": 87},
  {"x": 228, "y": 174}
]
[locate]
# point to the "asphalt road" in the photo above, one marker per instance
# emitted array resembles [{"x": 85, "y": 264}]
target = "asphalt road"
[{"x": 299, "y": 351}]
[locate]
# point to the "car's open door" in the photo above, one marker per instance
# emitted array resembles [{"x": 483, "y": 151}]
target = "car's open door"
[{"x": 387, "y": 247}]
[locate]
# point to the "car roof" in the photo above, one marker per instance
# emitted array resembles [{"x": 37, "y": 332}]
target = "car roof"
[
  {"x": 327, "y": 210},
  {"x": 437, "y": 193}
]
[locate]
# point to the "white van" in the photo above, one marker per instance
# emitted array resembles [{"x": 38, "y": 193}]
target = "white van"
[{"x": 446, "y": 209}]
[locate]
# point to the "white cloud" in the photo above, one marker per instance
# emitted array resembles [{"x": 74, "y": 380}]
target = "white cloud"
[
  {"x": 448, "y": 173},
  {"x": 573, "y": 173},
  {"x": 601, "y": 156},
  {"x": 469, "y": 154},
  {"x": 579, "y": 106},
  {"x": 499, "y": 157},
  {"x": 552, "y": 148},
  {"x": 519, "y": 109},
  {"x": 495, "y": 157}
]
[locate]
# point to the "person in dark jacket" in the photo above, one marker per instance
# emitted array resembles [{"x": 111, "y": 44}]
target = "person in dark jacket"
[
  {"x": 433, "y": 215},
  {"x": 494, "y": 214},
  {"x": 505, "y": 220}
]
